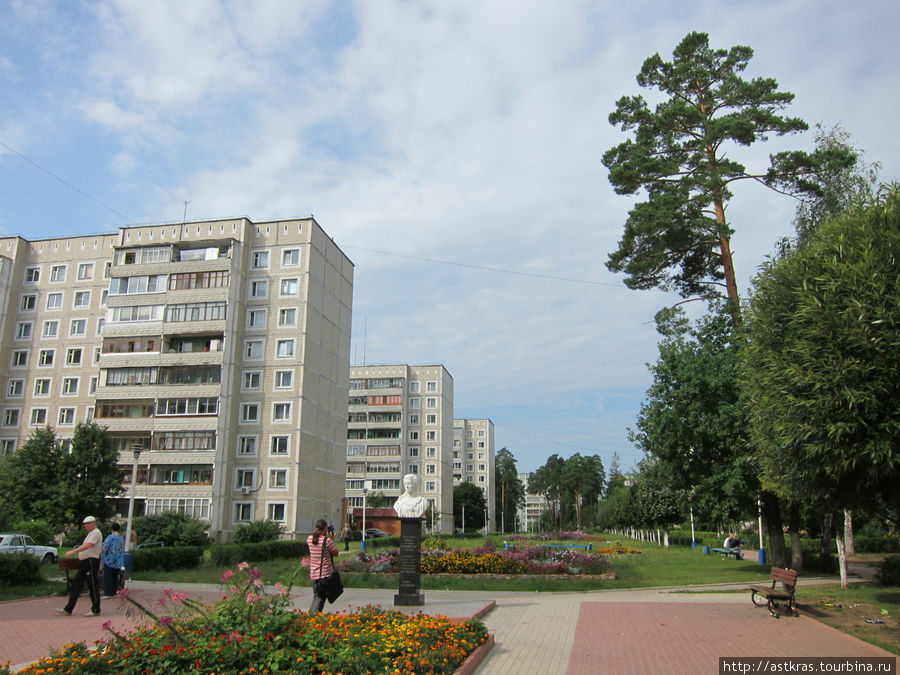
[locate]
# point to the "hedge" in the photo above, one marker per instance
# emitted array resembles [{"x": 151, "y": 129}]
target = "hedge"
[
  {"x": 231, "y": 554},
  {"x": 19, "y": 569},
  {"x": 166, "y": 558}
]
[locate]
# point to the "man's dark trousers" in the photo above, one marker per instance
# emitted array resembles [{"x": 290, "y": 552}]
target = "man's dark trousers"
[{"x": 88, "y": 571}]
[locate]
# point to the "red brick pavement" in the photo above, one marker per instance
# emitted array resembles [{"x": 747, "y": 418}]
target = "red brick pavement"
[{"x": 643, "y": 637}]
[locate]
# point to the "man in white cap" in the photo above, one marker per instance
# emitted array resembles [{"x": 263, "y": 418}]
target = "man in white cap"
[{"x": 88, "y": 568}]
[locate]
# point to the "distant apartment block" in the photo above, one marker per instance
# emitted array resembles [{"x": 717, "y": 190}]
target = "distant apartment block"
[
  {"x": 473, "y": 460},
  {"x": 529, "y": 515},
  {"x": 218, "y": 350},
  {"x": 399, "y": 421}
]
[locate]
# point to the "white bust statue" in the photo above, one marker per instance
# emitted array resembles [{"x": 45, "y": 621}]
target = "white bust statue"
[{"x": 410, "y": 504}]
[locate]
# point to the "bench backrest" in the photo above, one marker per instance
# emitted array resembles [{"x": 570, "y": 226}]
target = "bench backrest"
[
  {"x": 69, "y": 563},
  {"x": 787, "y": 577}
]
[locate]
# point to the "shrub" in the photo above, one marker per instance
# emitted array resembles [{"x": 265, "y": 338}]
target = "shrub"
[
  {"x": 231, "y": 554},
  {"x": 257, "y": 531},
  {"x": 877, "y": 544},
  {"x": 19, "y": 569},
  {"x": 166, "y": 558},
  {"x": 172, "y": 529},
  {"x": 38, "y": 530},
  {"x": 889, "y": 571}
]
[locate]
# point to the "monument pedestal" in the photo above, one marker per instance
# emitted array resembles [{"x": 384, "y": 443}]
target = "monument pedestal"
[{"x": 408, "y": 565}]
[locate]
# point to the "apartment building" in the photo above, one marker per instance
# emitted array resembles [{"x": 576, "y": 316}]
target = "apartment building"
[
  {"x": 473, "y": 460},
  {"x": 215, "y": 353},
  {"x": 529, "y": 515},
  {"x": 400, "y": 420}
]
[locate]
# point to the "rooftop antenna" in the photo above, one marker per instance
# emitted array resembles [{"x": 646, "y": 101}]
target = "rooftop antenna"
[{"x": 184, "y": 217}]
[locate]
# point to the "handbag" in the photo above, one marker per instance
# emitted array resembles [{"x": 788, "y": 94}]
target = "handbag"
[{"x": 333, "y": 586}]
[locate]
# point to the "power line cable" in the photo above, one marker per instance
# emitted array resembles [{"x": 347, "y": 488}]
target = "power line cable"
[
  {"x": 486, "y": 268},
  {"x": 67, "y": 183}
]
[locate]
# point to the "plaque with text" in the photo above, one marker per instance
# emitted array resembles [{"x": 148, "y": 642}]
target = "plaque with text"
[{"x": 408, "y": 565}]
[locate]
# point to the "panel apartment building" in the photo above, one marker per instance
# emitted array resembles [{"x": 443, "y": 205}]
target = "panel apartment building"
[
  {"x": 215, "y": 352},
  {"x": 473, "y": 460},
  {"x": 400, "y": 420}
]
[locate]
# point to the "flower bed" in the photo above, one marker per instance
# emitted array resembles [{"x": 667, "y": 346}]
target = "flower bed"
[{"x": 251, "y": 630}]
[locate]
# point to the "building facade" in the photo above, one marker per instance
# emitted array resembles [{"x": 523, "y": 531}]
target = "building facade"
[
  {"x": 400, "y": 421},
  {"x": 473, "y": 460},
  {"x": 215, "y": 353},
  {"x": 535, "y": 504}
]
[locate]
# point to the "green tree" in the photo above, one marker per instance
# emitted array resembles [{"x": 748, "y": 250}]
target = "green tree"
[
  {"x": 89, "y": 474},
  {"x": 468, "y": 495},
  {"x": 820, "y": 365},
  {"x": 678, "y": 239},
  {"x": 582, "y": 483},
  {"x": 838, "y": 188},
  {"x": 659, "y": 503},
  {"x": 692, "y": 427},
  {"x": 32, "y": 478},
  {"x": 510, "y": 492},
  {"x": 548, "y": 481}
]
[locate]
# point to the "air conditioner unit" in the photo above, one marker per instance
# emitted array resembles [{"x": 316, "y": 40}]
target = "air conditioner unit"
[{"x": 245, "y": 491}]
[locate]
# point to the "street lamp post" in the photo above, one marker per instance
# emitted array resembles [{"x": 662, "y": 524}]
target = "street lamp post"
[
  {"x": 134, "y": 470},
  {"x": 365, "y": 489}
]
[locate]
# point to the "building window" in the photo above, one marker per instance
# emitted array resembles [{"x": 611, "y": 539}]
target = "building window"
[
  {"x": 290, "y": 257},
  {"x": 481, "y": 433},
  {"x": 431, "y": 435},
  {"x": 28, "y": 303},
  {"x": 415, "y": 403},
  {"x": 92, "y": 389},
  {"x": 480, "y": 455},
  {"x": 58, "y": 273},
  {"x": 430, "y": 486},
  {"x": 284, "y": 379},
  {"x": 244, "y": 478},
  {"x": 431, "y": 403},
  {"x": 253, "y": 349},
  {"x": 50, "y": 329},
  {"x": 66, "y": 417},
  {"x": 413, "y": 435},
  {"x": 279, "y": 445},
  {"x": 277, "y": 479},
  {"x": 73, "y": 357},
  {"x": 289, "y": 287},
  {"x": 42, "y": 386},
  {"x": 85, "y": 271},
  {"x": 54, "y": 301},
  {"x": 246, "y": 446},
  {"x": 481, "y": 479},
  {"x": 414, "y": 468},
  {"x": 414, "y": 387},
  {"x": 259, "y": 259},
  {"x": 481, "y": 444},
  {"x": 431, "y": 419},
  {"x": 15, "y": 388},
  {"x": 38, "y": 417},
  {"x": 32, "y": 275},
  {"x": 431, "y": 386},
  {"x": 431, "y": 452},
  {"x": 413, "y": 451},
  {"x": 11, "y": 417},
  {"x": 23, "y": 330},
  {"x": 470, "y": 456},
  {"x": 250, "y": 413},
  {"x": 82, "y": 299},
  {"x": 100, "y": 324},
  {"x": 69, "y": 386},
  {"x": 19, "y": 358},
  {"x": 45, "y": 358},
  {"x": 430, "y": 469},
  {"x": 287, "y": 316},
  {"x": 259, "y": 288},
  {"x": 481, "y": 467},
  {"x": 243, "y": 512},
  {"x": 284, "y": 349},
  {"x": 281, "y": 412},
  {"x": 414, "y": 418},
  {"x": 7, "y": 446},
  {"x": 256, "y": 318},
  {"x": 77, "y": 327},
  {"x": 470, "y": 445},
  {"x": 275, "y": 511},
  {"x": 252, "y": 380}
]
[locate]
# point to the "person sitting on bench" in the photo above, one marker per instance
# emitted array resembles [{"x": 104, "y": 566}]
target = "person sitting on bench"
[{"x": 733, "y": 544}]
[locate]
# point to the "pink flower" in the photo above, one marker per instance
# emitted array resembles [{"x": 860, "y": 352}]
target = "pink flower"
[
  {"x": 280, "y": 589},
  {"x": 257, "y": 582},
  {"x": 165, "y": 621},
  {"x": 123, "y": 594},
  {"x": 107, "y": 626},
  {"x": 243, "y": 566},
  {"x": 178, "y": 596},
  {"x": 226, "y": 575},
  {"x": 255, "y": 573},
  {"x": 252, "y": 597}
]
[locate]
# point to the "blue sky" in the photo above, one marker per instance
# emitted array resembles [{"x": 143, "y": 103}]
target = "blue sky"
[{"x": 420, "y": 134}]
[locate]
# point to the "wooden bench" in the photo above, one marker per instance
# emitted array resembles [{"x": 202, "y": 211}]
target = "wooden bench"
[
  {"x": 776, "y": 599},
  {"x": 589, "y": 548},
  {"x": 68, "y": 564},
  {"x": 736, "y": 552}
]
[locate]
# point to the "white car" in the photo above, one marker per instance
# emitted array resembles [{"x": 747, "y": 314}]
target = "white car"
[{"x": 22, "y": 543}]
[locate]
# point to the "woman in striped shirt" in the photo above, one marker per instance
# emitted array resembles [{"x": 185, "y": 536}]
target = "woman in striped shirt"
[{"x": 321, "y": 553}]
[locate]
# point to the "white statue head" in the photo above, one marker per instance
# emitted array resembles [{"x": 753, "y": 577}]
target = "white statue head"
[{"x": 411, "y": 484}]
